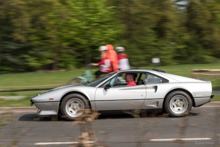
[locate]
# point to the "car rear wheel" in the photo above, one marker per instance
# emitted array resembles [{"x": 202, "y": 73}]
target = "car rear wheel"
[
  {"x": 178, "y": 103},
  {"x": 73, "y": 105}
]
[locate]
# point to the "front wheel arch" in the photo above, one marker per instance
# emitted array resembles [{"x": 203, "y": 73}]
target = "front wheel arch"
[
  {"x": 73, "y": 106},
  {"x": 74, "y": 92}
]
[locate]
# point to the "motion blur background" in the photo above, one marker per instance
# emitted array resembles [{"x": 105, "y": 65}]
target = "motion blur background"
[
  {"x": 38, "y": 36},
  {"x": 62, "y": 34}
]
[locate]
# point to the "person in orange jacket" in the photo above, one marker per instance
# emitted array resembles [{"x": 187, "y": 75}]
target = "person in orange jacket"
[
  {"x": 105, "y": 63},
  {"x": 112, "y": 56}
]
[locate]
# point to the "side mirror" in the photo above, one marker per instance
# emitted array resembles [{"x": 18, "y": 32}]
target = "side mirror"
[{"x": 107, "y": 86}]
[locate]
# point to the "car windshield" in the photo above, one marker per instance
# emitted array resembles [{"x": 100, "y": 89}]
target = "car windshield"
[{"x": 98, "y": 81}]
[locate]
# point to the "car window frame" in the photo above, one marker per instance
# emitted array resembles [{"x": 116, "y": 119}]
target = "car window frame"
[
  {"x": 143, "y": 72},
  {"x": 161, "y": 78},
  {"x": 98, "y": 86},
  {"x": 101, "y": 86}
]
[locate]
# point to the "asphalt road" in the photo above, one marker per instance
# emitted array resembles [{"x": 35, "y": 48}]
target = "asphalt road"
[{"x": 117, "y": 129}]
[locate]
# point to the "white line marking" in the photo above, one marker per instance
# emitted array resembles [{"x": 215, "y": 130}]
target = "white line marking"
[
  {"x": 58, "y": 143},
  {"x": 180, "y": 139}
]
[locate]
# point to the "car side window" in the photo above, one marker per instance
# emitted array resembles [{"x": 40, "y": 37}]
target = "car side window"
[
  {"x": 141, "y": 79},
  {"x": 152, "y": 79},
  {"x": 120, "y": 81},
  {"x": 111, "y": 82},
  {"x": 137, "y": 78}
]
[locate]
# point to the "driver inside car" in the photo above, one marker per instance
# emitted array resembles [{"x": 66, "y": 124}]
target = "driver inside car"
[{"x": 130, "y": 79}]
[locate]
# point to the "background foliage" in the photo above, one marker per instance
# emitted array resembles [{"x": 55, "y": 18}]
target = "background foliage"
[{"x": 66, "y": 34}]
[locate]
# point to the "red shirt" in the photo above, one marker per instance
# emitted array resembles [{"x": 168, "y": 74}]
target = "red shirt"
[
  {"x": 122, "y": 56},
  {"x": 132, "y": 83},
  {"x": 105, "y": 65},
  {"x": 102, "y": 61},
  {"x": 123, "y": 62}
]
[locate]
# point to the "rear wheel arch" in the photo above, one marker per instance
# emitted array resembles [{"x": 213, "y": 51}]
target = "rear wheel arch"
[{"x": 179, "y": 89}]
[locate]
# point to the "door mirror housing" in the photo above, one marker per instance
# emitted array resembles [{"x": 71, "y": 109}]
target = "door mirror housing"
[{"x": 107, "y": 86}]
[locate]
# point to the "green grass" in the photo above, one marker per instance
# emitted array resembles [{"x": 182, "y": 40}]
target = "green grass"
[
  {"x": 34, "y": 78},
  {"x": 216, "y": 97},
  {"x": 41, "y": 78},
  {"x": 15, "y": 103}
]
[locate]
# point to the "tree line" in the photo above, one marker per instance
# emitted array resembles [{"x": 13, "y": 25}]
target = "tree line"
[{"x": 66, "y": 34}]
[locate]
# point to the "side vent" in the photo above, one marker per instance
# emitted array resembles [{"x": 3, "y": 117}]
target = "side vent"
[{"x": 153, "y": 104}]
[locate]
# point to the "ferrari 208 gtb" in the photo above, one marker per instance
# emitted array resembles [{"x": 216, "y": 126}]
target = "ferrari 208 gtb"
[{"x": 153, "y": 89}]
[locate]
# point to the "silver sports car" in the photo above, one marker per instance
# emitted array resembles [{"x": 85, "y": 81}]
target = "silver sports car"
[{"x": 153, "y": 89}]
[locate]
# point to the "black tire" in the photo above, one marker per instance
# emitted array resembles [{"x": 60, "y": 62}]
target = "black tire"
[
  {"x": 76, "y": 98},
  {"x": 176, "y": 111}
]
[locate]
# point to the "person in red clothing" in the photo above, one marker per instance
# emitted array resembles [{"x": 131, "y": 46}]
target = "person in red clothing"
[
  {"x": 130, "y": 79},
  {"x": 105, "y": 63},
  {"x": 123, "y": 62}
]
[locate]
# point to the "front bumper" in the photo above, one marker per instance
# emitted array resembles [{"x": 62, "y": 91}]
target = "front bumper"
[{"x": 47, "y": 108}]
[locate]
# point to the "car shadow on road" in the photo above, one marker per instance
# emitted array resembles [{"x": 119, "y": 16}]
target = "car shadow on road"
[
  {"x": 131, "y": 114},
  {"x": 104, "y": 115},
  {"x": 35, "y": 117}
]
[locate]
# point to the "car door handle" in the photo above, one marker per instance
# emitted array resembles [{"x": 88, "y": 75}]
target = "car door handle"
[{"x": 155, "y": 87}]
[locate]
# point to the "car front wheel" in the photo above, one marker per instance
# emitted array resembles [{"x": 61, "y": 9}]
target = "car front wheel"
[
  {"x": 178, "y": 103},
  {"x": 73, "y": 105}
]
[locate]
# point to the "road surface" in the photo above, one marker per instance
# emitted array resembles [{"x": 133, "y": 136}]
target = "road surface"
[{"x": 117, "y": 129}]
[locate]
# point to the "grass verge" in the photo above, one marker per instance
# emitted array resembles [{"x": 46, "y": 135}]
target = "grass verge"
[
  {"x": 15, "y": 103},
  {"x": 216, "y": 97}
]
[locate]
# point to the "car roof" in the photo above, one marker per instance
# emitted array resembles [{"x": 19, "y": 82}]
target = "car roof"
[
  {"x": 160, "y": 73},
  {"x": 139, "y": 70},
  {"x": 170, "y": 77}
]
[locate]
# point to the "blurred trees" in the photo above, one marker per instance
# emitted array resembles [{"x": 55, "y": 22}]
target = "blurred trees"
[
  {"x": 23, "y": 39},
  {"x": 53, "y": 34},
  {"x": 177, "y": 31},
  {"x": 150, "y": 27},
  {"x": 65, "y": 34},
  {"x": 85, "y": 25},
  {"x": 204, "y": 34}
]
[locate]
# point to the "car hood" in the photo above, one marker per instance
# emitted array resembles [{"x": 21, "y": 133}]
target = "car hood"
[
  {"x": 63, "y": 87},
  {"x": 66, "y": 86}
]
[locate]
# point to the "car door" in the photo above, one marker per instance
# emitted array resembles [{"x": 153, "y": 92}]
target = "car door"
[
  {"x": 119, "y": 96},
  {"x": 154, "y": 89}
]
